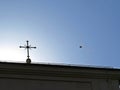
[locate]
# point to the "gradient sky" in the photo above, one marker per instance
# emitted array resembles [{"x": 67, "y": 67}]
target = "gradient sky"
[{"x": 58, "y": 27}]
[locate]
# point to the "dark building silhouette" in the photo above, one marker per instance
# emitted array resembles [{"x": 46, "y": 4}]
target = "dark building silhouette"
[{"x": 22, "y": 76}]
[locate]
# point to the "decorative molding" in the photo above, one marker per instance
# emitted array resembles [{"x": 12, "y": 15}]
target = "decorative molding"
[{"x": 22, "y": 70}]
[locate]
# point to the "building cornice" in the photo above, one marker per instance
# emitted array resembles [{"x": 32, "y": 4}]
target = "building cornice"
[{"x": 39, "y": 70}]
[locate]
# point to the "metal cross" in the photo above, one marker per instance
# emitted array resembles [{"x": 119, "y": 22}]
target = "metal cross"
[{"x": 28, "y": 47}]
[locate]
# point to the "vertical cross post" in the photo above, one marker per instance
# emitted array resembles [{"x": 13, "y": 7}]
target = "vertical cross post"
[{"x": 28, "y": 47}]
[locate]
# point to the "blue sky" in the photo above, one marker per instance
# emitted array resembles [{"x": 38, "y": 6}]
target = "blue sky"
[{"x": 58, "y": 27}]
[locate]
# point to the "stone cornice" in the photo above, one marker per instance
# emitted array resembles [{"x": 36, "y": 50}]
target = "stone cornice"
[{"x": 38, "y": 70}]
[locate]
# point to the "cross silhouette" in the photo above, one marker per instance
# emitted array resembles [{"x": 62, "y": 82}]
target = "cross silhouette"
[{"x": 28, "y": 47}]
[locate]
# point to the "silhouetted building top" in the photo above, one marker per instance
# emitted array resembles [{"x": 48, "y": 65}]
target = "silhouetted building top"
[{"x": 22, "y": 76}]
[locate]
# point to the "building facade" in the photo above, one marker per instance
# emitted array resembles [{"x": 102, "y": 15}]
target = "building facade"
[{"x": 22, "y": 76}]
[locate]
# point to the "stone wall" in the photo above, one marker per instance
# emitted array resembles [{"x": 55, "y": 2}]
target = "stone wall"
[{"x": 55, "y": 77}]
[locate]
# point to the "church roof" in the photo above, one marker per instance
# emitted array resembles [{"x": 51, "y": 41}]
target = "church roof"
[{"x": 24, "y": 70}]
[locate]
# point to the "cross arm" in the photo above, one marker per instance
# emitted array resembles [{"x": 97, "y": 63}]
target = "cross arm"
[
  {"x": 33, "y": 47},
  {"x": 22, "y": 46}
]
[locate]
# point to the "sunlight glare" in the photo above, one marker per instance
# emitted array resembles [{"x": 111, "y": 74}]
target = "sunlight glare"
[{"x": 12, "y": 55}]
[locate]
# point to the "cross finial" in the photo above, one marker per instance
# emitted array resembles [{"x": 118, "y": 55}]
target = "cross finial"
[{"x": 28, "y": 60}]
